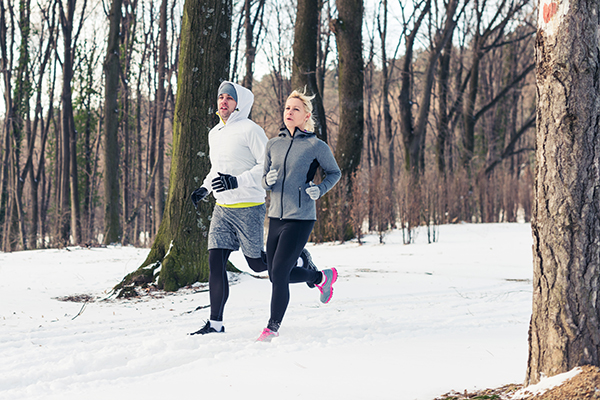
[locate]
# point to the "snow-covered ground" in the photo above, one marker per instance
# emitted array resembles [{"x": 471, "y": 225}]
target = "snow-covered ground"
[{"x": 405, "y": 322}]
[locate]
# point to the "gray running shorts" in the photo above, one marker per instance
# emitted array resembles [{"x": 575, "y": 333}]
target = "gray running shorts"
[{"x": 235, "y": 228}]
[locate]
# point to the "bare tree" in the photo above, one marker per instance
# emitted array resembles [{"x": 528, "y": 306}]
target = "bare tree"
[
  {"x": 179, "y": 250},
  {"x": 413, "y": 129},
  {"x": 304, "y": 62},
  {"x": 7, "y": 35},
  {"x": 40, "y": 124},
  {"x": 486, "y": 35},
  {"x": 112, "y": 71},
  {"x": 18, "y": 129},
  {"x": 86, "y": 123},
  {"x": 70, "y": 181},
  {"x": 161, "y": 109},
  {"x": 347, "y": 28}
]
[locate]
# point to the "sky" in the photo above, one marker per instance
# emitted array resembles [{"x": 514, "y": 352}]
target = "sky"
[{"x": 406, "y": 322}]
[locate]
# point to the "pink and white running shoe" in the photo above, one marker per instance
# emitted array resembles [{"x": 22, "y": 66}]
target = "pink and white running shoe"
[
  {"x": 267, "y": 335},
  {"x": 326, "y": 287}
]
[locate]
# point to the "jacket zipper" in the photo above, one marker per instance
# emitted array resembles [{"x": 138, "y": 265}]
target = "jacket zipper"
[
  {"x": 299, "y": 197},
  {"x": 284, "y": 174}
]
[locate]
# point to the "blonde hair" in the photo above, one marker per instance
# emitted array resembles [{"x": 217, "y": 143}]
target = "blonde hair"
[{"x": 306, "y": 100}]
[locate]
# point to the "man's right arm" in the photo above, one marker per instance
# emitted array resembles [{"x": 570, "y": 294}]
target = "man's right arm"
[{"x": 257, "y": 141}]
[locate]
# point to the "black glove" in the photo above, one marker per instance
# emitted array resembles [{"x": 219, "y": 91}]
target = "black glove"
[
  {"x": 224, "y": 182},
  {"x": 199, "y": 194}
]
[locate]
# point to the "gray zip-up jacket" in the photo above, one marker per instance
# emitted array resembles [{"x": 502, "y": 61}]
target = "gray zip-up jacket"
[{"x": 296, "y": 159}]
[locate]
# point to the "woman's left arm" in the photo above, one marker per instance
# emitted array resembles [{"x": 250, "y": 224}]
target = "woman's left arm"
[{"x": 329, "y": 166}]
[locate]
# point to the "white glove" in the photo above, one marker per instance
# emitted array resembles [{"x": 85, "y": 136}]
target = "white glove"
[
  {"x": 271, "y": 177},
  {"x": 313, "y": 191}
]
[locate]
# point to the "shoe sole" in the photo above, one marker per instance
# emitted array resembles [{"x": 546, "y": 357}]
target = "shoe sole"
[{"x": 268, "y": 338}]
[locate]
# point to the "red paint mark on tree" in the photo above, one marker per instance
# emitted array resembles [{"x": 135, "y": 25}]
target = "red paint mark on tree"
[{"x": 549, "y": 11}]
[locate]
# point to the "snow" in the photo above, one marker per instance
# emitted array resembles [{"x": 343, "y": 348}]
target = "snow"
[
  {"x": 546, "y": 383},
  {"x": 405, "y": 322}
]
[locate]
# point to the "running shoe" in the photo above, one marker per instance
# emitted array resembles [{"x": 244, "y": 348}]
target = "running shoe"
[
  {"x": 208, "y": 329},
  {"x": 326, "y": 288},
  {"x": 267, "y": 335}
]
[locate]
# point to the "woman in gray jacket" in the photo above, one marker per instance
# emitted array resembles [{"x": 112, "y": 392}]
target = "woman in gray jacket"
[{"x": 291, "y": 161}]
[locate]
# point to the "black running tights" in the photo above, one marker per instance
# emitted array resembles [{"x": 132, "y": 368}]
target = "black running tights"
[
  {"x": 218, "y": 284},
  {"x": 285, "y": 241}
]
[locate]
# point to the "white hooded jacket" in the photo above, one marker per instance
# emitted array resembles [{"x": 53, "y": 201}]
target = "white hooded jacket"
[{"x": 237, "y": 148}]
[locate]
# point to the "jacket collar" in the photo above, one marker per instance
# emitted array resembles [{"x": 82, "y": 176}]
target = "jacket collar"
[{"x": 284, "y": 132}]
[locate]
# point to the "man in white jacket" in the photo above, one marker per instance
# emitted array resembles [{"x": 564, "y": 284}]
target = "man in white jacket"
[{"x": 237, "y": 148}]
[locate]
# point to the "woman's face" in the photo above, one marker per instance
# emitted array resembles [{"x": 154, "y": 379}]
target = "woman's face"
[{"x": 294, "y": 115}]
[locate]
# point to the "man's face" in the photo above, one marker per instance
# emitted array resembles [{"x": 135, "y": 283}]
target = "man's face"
[{"x": 226, "y": 105}]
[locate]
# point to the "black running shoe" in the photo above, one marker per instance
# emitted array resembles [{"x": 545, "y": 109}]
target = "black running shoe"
[
  {"x": 208, "y": 329},
  {"x": 308, "y": 264}
]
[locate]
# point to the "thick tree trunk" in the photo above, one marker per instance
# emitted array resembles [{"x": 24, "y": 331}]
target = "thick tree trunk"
[
  {"x": 179, "y": 250},
  {"x": 304, "y": 64},
  {"x": 112, "y": 227},
  {"x": 348, "y": 33},
  {"x": 565, "y": 328}
]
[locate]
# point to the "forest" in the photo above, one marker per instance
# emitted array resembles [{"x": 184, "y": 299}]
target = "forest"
[{"x": 443, "y": 110}]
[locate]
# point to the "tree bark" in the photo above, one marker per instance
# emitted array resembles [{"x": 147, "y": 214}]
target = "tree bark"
[
  {"x": 348, "y": 32},
  {"x": 387, "y": 118},
  {"x": 112, "y": 227},
  {"x": 565, "y": 329},
  {"x": 70, "y": 185},
  {"x": 443, "y": 120},
  {"x": 6, "y": 70},
  {"x": 161, "y": 108},
  {"x": 304, "y": 63},
  {"x": 179, "y": 250},
  {"x": 20, "y": 128}
]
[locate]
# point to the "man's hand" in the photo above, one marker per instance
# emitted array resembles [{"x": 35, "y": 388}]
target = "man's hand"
[
  {"x": 199, "y": 194},
  {"x": 224, "y": 182}
]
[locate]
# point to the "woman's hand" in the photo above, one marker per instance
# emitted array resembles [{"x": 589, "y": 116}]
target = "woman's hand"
[
  {"x": 271, "y": 177},
  {"x": 313, "y": 191}
]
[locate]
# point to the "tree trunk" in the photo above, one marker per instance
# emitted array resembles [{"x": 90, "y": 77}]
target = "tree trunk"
[
  {"x": 6, "y": 70},
  {"x": 161, "y": 108},
  {"x": 414, "y": 129},
  {"x": 390, "y": 214},
  {"x": 70, "y": 191},
  {"x": 304, "y": 64},
  {"x": 565, "y": 329},
  {"x": 348, "y": 32},
  {"x": 112, "y": 227},
  {"x": 405, "y": 100},
  {"x": 179, "y": 250},
  {"x": 250, "y": 48},
  {"x": 443, "y": 120},
  {"x": 20, "y": 117}
]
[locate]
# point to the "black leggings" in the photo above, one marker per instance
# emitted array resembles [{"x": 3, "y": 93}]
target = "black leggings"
[
  {"x": 218, "y": 283},
  {"x": 285, "y": 241}
]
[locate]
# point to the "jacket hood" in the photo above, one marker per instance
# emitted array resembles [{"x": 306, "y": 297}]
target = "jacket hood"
[{"x": 244, "y": 103}]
